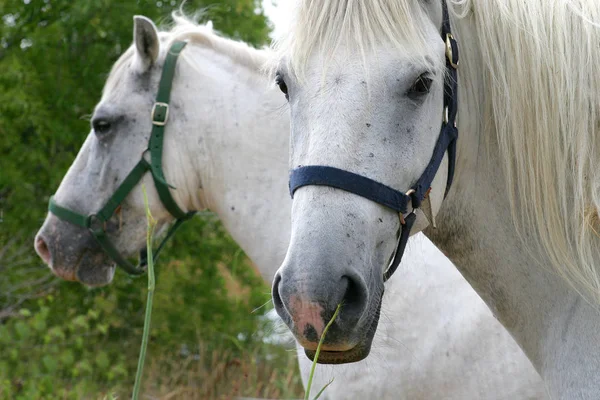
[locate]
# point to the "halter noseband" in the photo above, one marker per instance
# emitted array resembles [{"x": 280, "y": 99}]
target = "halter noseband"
[
  {"x": 96, "y": 223},
  {"x": 385, "y": 195}
]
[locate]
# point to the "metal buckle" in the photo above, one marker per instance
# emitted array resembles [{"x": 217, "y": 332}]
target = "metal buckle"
[
  {"x": 165, "y": 118},
  {"x": 446, "y": 116},
  {"x": 96, "y": 226},
  {"x": 449, "y": 53}
]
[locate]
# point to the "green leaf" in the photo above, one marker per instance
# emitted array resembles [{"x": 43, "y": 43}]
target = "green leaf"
[
  {"x": 50, "y": 363},
  {"x": 67, "y": 358},
  {"x": 102, "y": 328},
  {"x": 54, "y": 334},
  {"x": 93, "y": 314},
  {"x": 25, "y": 312},
  {"x": 22, "y": 330},
  {"x": 5, "y": 337},
  {"x": 80, "y": 324},
  {"x": 38, "y": 322},
  {"x": 102, "y": 360},
  {"x": 83, "y": 367},
  {"x": 117, "y": 371}
]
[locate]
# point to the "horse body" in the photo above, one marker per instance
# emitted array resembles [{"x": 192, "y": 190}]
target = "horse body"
[
  {"x": 225, "y": 149},
  {"x": 370, "y": 102}
]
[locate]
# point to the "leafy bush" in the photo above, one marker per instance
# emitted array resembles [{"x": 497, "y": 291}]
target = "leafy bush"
[{"x": 60, "y": 339}]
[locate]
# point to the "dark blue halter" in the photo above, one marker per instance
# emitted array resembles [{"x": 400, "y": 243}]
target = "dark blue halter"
[{"x": 385, "y": 195}]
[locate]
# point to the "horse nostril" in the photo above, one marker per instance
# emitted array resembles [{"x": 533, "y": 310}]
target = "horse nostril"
[
  {"x": 42, "y": 249},
  {"x": 277, "y": 302},
  {"x": 355, "y": 299}
]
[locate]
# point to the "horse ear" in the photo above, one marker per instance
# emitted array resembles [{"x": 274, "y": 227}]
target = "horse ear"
[
  {"x": 209, "y": 25},
  {"x": 145, "y": 37}
]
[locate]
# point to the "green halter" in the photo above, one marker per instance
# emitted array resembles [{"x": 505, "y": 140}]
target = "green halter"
[{"x": 95, "y": 223}]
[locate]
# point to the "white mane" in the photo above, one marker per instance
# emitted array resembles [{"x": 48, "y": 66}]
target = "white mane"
[
  {"x": 186, "y": 29},
  {"x": 542, "y": 85}
]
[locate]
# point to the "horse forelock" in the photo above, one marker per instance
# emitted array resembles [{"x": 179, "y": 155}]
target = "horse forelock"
[{"x": 323, "y": 25}]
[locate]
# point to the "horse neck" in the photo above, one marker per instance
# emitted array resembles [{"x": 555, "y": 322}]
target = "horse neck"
[
  {"x": 240, "y": 156},
  {"x": 477, "y": 234}
]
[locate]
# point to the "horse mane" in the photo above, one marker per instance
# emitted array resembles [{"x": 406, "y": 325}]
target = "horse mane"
[
  {"x": 186, "y": 29},
  {"x": 541, "y": 79},
  {"x": 322, "y": 25}
]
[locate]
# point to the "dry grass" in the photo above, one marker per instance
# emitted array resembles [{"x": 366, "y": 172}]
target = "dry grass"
[
  {"x": 235, "y": 289},
  {"x": 219, "y": 375}
]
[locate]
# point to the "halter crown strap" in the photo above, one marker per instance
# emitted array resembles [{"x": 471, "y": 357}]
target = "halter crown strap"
[
  {"x": 96, "y": 223},
  {"x": 385, "y": 195},
  {"x": 160, "y": 116}
]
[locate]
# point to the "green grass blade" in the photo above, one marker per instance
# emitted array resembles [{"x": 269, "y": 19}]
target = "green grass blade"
[
  {"x": 323, "y": 389},
  {"x": 314, "y": 363},
  {"x": 151, "y": 285}
]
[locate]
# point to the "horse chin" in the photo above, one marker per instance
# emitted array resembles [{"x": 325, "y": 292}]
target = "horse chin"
[
  {"x": 96, "y": 270},
  {"x": 357, "y": 353},
  {"x": 97, "y": 277}
]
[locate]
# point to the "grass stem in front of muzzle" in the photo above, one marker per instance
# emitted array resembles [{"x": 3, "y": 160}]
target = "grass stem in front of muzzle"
[
  {"x": 151, "y": 285},
  {"x": 314, "y": 363}
]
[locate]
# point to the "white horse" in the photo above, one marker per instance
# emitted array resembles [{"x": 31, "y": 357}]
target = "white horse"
[
  {"x": 366, "y": 85},
  {"x": 226, "y": 148}
]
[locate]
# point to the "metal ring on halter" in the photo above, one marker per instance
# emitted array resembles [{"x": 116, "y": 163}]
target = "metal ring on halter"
[
  {"x": 95, "y": 225},
  {"x": 402, "y": 221}
]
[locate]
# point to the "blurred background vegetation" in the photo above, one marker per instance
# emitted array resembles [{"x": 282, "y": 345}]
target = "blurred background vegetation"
[{"x": 61, "y": 340}]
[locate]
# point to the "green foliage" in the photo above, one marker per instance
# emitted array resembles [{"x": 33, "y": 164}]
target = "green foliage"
[
  {"x": 60, "y": 339},
  {"x": 43, "y": 350},
  {"x": 88, "y": 340}
]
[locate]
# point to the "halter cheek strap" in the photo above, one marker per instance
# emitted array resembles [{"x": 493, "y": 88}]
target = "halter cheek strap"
[
  {"x": 96, "y": 223},
  {"x": 385, "y": 195}
]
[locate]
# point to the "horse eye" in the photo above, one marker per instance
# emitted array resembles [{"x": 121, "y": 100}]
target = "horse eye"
[
  {"x": 101, "y": 126},
  {"x": 421, "y": 86},
  {"x": 282, "y": 86}
]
